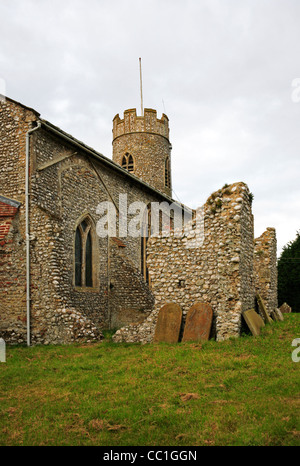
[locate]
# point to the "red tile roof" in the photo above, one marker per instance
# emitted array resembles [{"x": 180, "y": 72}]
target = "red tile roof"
[
  {"x": 7, "y": 213},
  {"x": 7, "y": 210},
  {"x": 4, "y": 229}
]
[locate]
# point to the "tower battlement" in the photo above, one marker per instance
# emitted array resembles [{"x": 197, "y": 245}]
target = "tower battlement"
[
  {"x": 141, "y": 145},
  {"x": 148, "y": 123}
]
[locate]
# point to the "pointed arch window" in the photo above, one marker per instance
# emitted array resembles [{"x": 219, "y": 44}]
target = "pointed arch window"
[
  {"x": 128, "y": 162},
  {"x": 84, "y": 254},
  {"x": 167, "y": 173}
]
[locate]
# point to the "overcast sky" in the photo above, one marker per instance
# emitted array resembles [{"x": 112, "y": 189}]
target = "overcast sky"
[{"x": 224, "y": 71}]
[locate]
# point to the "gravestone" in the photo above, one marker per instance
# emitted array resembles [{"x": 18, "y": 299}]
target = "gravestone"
[
  {"x": 263, "y": 310},
  {"x": 276, "y": 315},
  {"x": 168, "y": 324},
  {"x": 2, "y": 350},
  {"x": 254, "y": 321},
  {"x": 279, "y": 314},
  {"x": 285, "y": 308},
  {"x": 198, "y": 323}
]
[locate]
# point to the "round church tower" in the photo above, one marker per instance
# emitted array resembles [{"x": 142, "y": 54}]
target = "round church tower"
[{"x": 141, "y": 145}]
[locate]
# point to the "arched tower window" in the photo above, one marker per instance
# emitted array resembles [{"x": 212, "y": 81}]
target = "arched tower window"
[
  {"x": 128, "y": 162},
  {"x": 84, "y": 273},
  {"x": 167, "y": 173},
  {"x": 130, "y": 165}
]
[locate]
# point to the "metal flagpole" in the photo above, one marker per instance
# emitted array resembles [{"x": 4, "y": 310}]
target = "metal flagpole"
[{"x": 141, "y": 86}]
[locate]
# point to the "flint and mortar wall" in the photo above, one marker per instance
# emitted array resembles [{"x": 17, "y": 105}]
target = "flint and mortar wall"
[
  {"x": 15, "y": 121},
  {"x": 130, "y": 299},
  {"x": 12, "y": 280},
  {"x": 265, "y": 268},
  {"x": 64, "y": 186},
  {"x": 218, "y": 272},
  {"x": 64, "y": 192}
]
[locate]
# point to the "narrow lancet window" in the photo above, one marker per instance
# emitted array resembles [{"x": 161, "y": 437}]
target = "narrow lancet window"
[
  {"x": 88, "y": 261},
  {"x": 167, "y": 173}
]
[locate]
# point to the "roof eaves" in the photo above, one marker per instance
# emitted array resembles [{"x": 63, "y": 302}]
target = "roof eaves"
[{"x": 10, "y": 202}]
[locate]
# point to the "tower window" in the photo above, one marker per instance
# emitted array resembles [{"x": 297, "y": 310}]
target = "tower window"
[
  {"x": 128, "y": 162},
  {"x": 83, "y": 255},
  {"x": 167, "y": 173}
]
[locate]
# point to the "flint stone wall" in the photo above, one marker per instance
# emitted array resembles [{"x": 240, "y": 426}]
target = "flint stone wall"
[
  {"x": 218, "y": 272},
  {"x": 62, "y": 193},
  {"x": 15, "y": 121},
  {"x": 265, "y": 268},
  {"x": 65, "y": 185}
]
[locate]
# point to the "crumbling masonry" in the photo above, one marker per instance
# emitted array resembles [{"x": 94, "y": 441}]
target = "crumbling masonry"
[{"x": 224, "y": 271}]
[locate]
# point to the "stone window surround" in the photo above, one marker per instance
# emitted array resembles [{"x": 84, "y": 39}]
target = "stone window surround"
[
  {"x": 128, "y": 162},
  {"x": 167, "y": 172},
  {"x": 95, "y": 255}
]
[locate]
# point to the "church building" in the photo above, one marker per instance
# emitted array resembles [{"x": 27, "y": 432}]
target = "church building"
[{"x": 62, "y": 279}]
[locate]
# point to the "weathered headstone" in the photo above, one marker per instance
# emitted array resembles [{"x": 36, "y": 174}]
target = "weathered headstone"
[
  {"x": 279, "y": 314},
  {"x": 285, "y": 308},
  {"x": 276, "y": 315},
  {"x": 2, "y": 350},
  {"x": 198, "y": 322},
  {"x": 168, "y": 324},
  {"x": 254, "y": 321},
  {"x": 263, "y": 309}
]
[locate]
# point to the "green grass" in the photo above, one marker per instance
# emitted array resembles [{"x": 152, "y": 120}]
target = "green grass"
[{"x": 239, "y": 392}]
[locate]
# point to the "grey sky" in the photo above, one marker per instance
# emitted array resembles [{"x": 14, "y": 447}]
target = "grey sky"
[{"x": 222, "y": 70}]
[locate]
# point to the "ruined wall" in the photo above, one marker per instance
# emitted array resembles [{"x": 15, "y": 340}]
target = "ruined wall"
[
  {"x": 265, "y": 268},
  {"x": 218, "y": 272},
  {"x": 12, "y": 277}
]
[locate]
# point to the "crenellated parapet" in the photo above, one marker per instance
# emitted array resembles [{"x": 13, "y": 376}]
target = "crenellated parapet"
[
  {"x": 141, "y": 145},
  {"x": 149, "y": 123}
]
